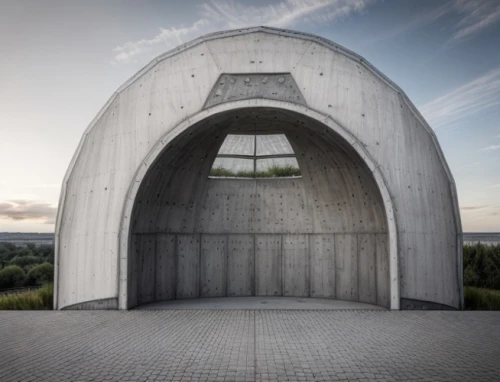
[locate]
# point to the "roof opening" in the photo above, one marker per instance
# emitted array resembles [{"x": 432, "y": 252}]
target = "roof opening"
[{"x": 255, "y": 156}]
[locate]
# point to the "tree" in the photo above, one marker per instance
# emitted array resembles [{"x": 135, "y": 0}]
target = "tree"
[
  {"x": 40, "y": 274},
  {"x": 26, "y": 262},
  {"x": 7, "y": 252},
  {"x": 12, "y": 276}
]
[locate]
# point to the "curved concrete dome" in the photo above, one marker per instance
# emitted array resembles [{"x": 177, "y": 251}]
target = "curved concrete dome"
[{"x": 373, "y": 217}]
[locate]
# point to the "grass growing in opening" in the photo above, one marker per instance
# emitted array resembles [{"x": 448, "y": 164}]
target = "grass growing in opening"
[
  {"x": 244, "y": 174},
  {"x": 271, "y": 172},
  {"x": 221, "y": 171},
  {"x": 481, "y": 299},
  {"x": 40, "y": 299}
]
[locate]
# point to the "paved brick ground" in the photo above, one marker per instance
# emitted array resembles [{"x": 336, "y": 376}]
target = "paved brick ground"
[{"x": 238, "y": 345}]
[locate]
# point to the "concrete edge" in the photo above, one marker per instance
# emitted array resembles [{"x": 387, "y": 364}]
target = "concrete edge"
[
  {"x": 412, "y": 304},
  {"x": 101, "y": 304}
]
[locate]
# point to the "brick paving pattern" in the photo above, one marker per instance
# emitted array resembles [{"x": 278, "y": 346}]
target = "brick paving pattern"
[{"x": 249, "y": 345}]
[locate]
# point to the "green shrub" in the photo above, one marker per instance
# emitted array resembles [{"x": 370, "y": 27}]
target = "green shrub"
[
  {"x": 12, "y": 276},
  {"x": 40, "y": 274},
  {"x": 46, "y": 251},
  {"x": 481, "y": 299},
  {"x": 9, "y": 251},
  {"x": 482, "y": 266},
  {"x": 26, "y": 262},
  {"x": 33, "y": 300}
]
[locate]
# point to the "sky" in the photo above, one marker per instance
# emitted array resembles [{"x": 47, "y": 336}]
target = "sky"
[{"x": 61, "y": 61}]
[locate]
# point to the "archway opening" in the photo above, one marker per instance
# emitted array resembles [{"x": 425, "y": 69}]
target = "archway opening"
[
  {"x": 255, "y": 156},
  {"x": 321, "y": 235}
]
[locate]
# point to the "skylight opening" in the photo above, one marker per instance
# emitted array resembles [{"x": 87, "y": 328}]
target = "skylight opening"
[{"x": 255, "y": 156}]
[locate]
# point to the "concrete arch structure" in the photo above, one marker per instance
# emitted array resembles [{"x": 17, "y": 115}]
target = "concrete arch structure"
[
  {"x": 379, "y": 228},
  {"x": 374, "y": 217}
]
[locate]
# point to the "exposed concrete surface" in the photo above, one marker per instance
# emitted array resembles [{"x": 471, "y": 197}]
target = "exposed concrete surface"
[
  {"x": 243, "y": 345},
  {"x": 266, "y": 303},
  {"x": 232, "y": 87},
  {"x": 159, "y": 107},
  {"x": 323, "y": 235}
]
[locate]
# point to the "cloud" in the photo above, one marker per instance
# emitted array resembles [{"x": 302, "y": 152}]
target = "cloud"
[
  {"x": 473, "y": 17},
  {"x": 483, "y": 210},
  {"x": 474, "y": 208},
  {"x": 478, "y": 15},
  {"x": 168, "y": 38},
  {"x": 28, "y": 210},
  {"x": 283, "y": 14},
  {"x": 470, "y": 18},
  {"x": 230, "y": 14},
  {"x": 495, "y": 185},
  {"x": 476, "y": 95},
  {"x": 493, "y": 147},
  {"x": 420, "y": 20}
]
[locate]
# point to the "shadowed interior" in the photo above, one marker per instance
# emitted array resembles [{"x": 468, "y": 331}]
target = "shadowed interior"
[{"x": 321, "y": 235}]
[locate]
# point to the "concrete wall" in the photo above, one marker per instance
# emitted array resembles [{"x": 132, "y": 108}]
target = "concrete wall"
[
  {"x": 149, "y": 110},
  {"x": 226, "y": 223},
  {"x": 352, "y": 267}
]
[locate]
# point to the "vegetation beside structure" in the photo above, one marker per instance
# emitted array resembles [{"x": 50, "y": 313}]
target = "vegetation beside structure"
[
  {"x": 23, "y": 266},
  {"x": 39, "y": 299},
  {"x": 482, "y": 266},
  {"x": 12, "y": 276},
  {"x": 481, "y": 277},
  {"x": 271, "y": 172},
  {"x": 481, "y": 299}
]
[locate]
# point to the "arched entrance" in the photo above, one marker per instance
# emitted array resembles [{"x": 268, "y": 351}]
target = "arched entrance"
[{"x": 328, "y": 234}]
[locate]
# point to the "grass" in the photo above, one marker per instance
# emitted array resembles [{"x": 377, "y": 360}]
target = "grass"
[
  {"x": 221, "y": 171},
  {"x": 481, "y": 299},
  {"x": 271, "y": 172},
  {"x": 40, "y": 299}
]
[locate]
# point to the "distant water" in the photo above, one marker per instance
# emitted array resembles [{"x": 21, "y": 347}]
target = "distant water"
[
  {"x": 23, "y": 238},
  {"x": 20, "y": 238},
  {"x": 491, "y": 238}
]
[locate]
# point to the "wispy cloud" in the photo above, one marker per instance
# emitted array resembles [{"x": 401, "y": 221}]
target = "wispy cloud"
[
  {"x": 27, "y": 210},
  {"x": 477, "y": 15},
  {"x": 470, "y": 18},
  {"x": 474, "y": 208},
  {"x": 481, "y": 207},
  {"x": 492, "y": 147},
  {"x": 167, "y": 38},
  {"x": 237, "y": 14},
  {"x": 231, "y": 14},
  {"x": 420, "y": 20},
  {"x": 476, "y": 95},
  {"x": 495, "y": 185}
]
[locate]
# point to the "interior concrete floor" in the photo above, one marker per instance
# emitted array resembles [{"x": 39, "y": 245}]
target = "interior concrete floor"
[{"x": 260, "y": 303}]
